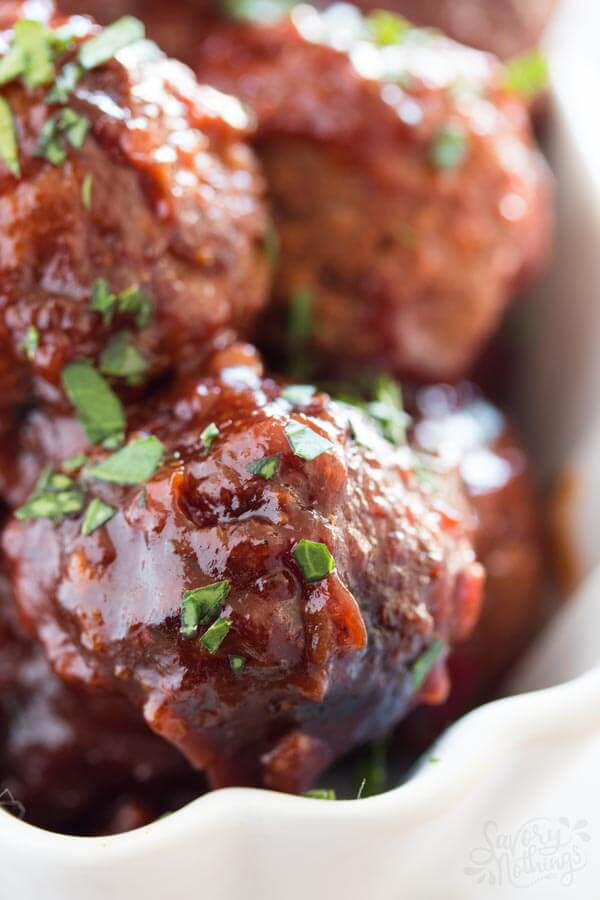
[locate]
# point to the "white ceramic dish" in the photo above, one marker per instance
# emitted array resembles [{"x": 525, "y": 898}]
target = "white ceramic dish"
[{"x": 511, "y": 807}]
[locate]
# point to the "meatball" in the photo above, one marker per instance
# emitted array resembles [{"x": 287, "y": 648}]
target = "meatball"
[
  {"x": 459, "y": 425},
  {"x": 67, "y": 754},
  {"x": 409, "y": 198},
  {"x": 132, "y": 222},
  {"x": 503, "y": 27},
  {"x": 262, "y": 572}
]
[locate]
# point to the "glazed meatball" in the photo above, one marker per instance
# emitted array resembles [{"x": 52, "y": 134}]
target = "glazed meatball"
[
  {"x": 409, "y": 198},
  {"x": 67, "y": 754},
  {"x": 131, "y": 212},
  {"x": 283, "y": 585},
  {"x": 465, "y": 430},
  {"x": 503, "y": 27}
]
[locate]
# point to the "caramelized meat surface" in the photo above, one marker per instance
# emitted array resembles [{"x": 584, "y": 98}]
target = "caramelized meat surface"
[
  {"x": 131, "y": 211},
  {"x": 409, "y": 198},
  {"x": 283, "y": 585}
]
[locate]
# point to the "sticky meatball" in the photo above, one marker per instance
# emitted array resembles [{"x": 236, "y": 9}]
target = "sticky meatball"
[
  {"x": 131, "y": 212},
  {"x": 283, "y": 585},
  {"x": 466, "y": 431},
  {"x": 409, "y": 199},
  {"x": 68, "y": 755}
]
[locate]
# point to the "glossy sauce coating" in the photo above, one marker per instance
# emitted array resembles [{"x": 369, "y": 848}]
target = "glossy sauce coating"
[
  {"x": 174, "y": 207},
  {"x": 409, "y": 239},
  {"x": 67, "y": 754},
  {"x": 327, "y": 664}
]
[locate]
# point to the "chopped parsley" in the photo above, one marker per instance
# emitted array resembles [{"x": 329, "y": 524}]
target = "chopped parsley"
[
  {"x": 86, "y": 190},
  {"x": 31, "y": 342},
  {"x": 110, "y": 40},
  {"x": 527, "y": 74},
  {"x": 96, "y": 514},
  {"x": 425, "y": 663},
  {"x": 64, "y": 84},
  {"x": 135, "y": 463},
  {"x": 32, "y": 42},
  {"x": 214, "y": 636},
  {"x": 321, "y": 794},
  {"x": 237, "y": 664},
  {"x": 267, "y": 467},
  {"x": 9, "y": 152},
  {"x": 64, "y": 127},
  {"x": 98, "y": 408},
  {"x": 371, "y": 769},
  {"x": 133, "y": 301},
  {"x": 386, "y": 28},
  {"x": 449, "y": 147},
  {"x": 299, "y": 394},
  {"x": 122, "y": 359},
  {"x": 314, "y": 560},
  {"x": 387, "y": 410},
  {"x": 300, "y": 329},
  {"x": 305, "y": 442},
  {"x": 54, "y": 496},
  {"x": 74, "y": 462},
  {"x": 201, "y": 606},
  {"x": 209, "y": 435}
]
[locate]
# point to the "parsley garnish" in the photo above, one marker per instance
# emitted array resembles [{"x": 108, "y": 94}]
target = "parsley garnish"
[
  {"x": 209, "y": 435},
  {"x": 321, "y": 794},
  {"x": 86, "y": 190},
  {"x": 32, "y": 41},
  {"x": 449, "y": 147},
  {"x": 31, "y": 342},
  {"x": 214, "y": 636},
  {"x": 202, "y": 605},
  {"x": 371, "y": 769},
  {"x": 96, "y": 514},
  {"x": 387, "y": 410},
  {"x": 133, "y": 301},
  {"x": 64, "y": 83},
  {"x": 299, "y": 394},
  {"x": 54, "y": 496},
  {"x": 9, "y": 151},
  {"x": 267, "y": 467},
  {"x": 110, "y": 40},
  {"x": 64, "y": 127},
  {"x": 423, "y": 665},
  {"x": 527, "y": 74},
  {"x": 122, "y": 359},
  {"x": 237, "y": 663},
  {"x": 305, "y": 442},
  {"x": 133, "y": 464},
  {"x": 74, "y": 462},
  {"x": 314, "y": 559},
  {"x": 98, "y": 408}
]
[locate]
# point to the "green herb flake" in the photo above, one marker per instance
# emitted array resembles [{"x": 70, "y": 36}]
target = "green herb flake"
[
  {"x": 387, "y": 29},
  {"x": 31, "y": 342},
  {"x": 425, "y": 663},
  {"x": 527, "y": 74},
  {"x": 12, "y": 64},
  {"x": 299, "y": 332},
  {"x": 214, "y": 636},
  {"x": 33, "y": 41},
  {"x": 103, "y": 300},
  {"x": 135, "y": 301},
  {"x": 209, "y": 435},
  {"x": 133, "y": 464},
  {"x": 64, "y": 84},
  {"x": 64, "y": 127},
  {"x": 314, "y": 559},
  {"x": 74, "y": 462},
  {"x": 449, "y": 147},
  {"x": 387, "y": 410},
  {"x": 201, "y": 606},
  {"x": 371, "y": 769},
  {"x": 96, "y": 514},
  {"x": 267, "y": 467},
  {"x": 54, "y": 496},
  {"x": 122, "y": 359},
  {"x": 98, "y": 408},
  {"x": 9, "y": 152},
  {"x": 86, "y": 190},
  {"x": 110, "y": 40},
  {"x": 305, "y": 442},
  {"x": 237, "y": 664},
  {"x": 299, "y": 394},
  {"x": 321, "y": 794}
]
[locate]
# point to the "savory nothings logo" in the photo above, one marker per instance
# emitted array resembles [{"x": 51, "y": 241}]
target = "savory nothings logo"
[{"x": 539, "y": 850}]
